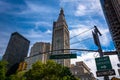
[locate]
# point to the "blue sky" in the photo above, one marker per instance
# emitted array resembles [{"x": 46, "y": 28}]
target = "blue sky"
[{"x": 34, "y": 19}]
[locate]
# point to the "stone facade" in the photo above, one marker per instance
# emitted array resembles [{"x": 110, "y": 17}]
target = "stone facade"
[
  {"x": 16, "y": 51},
  {"x": 60, "y": 38},
  {"x": 37, "y": 53},
  {"x": 82, "y": 71},
  {"x": 32, "y": 59},
  {"x": 39, "y": 47}
]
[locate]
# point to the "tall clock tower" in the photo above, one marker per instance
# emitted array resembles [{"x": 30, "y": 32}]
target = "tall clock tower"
[{"x": 60, "y": 38}]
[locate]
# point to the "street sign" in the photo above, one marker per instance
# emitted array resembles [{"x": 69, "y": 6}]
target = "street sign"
[
  {"x": 103, "y": 63},
  {"x": 63, "y": 56},
  {"x": 110, "y": 53},
  {"x": 105, "y": 73}
]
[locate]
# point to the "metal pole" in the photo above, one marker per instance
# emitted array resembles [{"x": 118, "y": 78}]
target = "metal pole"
[
  {"x": 100, "y": 49},
  {"x": 106, "y": 77},
  {"x": 98, "y": 43}
]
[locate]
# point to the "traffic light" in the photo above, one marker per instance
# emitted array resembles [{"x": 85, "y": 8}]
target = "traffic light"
[
  {"x": 97, "y": 31},
  {"x": 22, "y": 66},
  {"x": 96, "y": 40}
]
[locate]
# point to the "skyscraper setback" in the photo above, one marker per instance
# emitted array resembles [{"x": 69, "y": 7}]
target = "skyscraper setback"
[
  {"x": 16, "y": 51},
  {"x": 111, "y": 9},
  {"x": 60, "y": 38}
]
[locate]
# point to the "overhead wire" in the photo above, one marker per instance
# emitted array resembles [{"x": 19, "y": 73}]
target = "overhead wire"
[
  {"x": 80, "y": 41},
  {"x": 82, "y": 33}
]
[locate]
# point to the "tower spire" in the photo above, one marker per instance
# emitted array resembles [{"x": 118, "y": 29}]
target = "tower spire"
[
  {"x": 61, "y": 17},
  {"x": 61, "y": 12}
]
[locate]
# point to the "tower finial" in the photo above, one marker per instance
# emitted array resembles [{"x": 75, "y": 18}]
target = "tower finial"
[
  {"x": 61, "y": 16},
  {"x": 61, "y": 11}
]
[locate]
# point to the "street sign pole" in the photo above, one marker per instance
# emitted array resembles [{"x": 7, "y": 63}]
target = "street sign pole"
[
  {"x": 96, "y": 32},
  {"x": 118, "y": 55}
]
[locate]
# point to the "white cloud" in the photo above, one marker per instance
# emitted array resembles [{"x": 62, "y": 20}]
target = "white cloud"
[
  {"x": 91, "y": 8},
  {"x": 34, "y": 34},
  {"x": 78, "y": 25},
  {"x": 48, "y": 32},
  {"x": 81, "y": 10},
  {"x": 83, "y": 7},
  {"x": 32, "y": 7},
  {"x": 37, "y": 35},
  {"x": 38, "y": 8},
  {"x": 105, "y": 39},
  {"x": 42, "y": 23},
  {"x": 114, "y": 61}
]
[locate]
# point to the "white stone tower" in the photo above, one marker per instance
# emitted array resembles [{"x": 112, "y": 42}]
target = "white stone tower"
[{"x": 60, "y": 38}]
